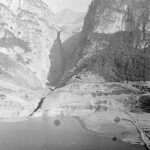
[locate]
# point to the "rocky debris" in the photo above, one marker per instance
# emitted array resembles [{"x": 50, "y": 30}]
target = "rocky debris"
[{"x": 143, "y": 88}]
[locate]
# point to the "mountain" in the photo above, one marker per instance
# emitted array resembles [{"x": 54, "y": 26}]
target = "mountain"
[
  {"x": 99, "y": 75},
  {"x": 111, "y": 44},
  {"x": 30, "y": 24},
  {"x": 27, "y": 34},
  {"x": 70, "y": 22},
  {"x": 68, "y": 16}
]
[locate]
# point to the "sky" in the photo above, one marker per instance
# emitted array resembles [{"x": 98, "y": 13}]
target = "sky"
[{"x": 77, "y": 5}]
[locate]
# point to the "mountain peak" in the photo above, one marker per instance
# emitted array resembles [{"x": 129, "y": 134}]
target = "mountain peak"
[
  {"x": 69, "y": 10},
  {"x": 69, "y": 16}
]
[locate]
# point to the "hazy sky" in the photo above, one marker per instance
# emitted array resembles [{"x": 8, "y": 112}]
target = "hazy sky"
[{"x": 78, "y": 5}]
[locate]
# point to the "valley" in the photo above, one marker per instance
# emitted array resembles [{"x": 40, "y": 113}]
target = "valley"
[{"x": 91, "y": 66}]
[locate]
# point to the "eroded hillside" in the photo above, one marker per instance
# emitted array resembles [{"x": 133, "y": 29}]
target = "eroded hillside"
[{"x": 27, "y": 33}]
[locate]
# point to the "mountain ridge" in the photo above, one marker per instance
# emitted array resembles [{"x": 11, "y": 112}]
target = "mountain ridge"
[{"x": 108, "y": 42}]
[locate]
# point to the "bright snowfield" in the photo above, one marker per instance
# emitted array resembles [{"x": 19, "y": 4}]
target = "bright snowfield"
[{"x": 92, "y": 66}]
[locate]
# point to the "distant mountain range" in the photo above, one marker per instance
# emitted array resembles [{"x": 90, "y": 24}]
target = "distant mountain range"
[
  {"x": 68, "y": 16},
  {"x": 69, "y": 22}
]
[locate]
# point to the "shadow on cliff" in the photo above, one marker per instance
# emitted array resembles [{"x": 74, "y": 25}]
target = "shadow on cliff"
[
  {"x": 112, "y": 56},
  {"x": 59, "y": 56}
]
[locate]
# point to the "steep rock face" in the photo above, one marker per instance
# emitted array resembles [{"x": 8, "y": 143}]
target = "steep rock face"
[
  {"x": 27, "y": 34},
  {"x": 57, "y": 58},
  {"x": 69, "y": 47},
  {"x": 111, "y": 42}
]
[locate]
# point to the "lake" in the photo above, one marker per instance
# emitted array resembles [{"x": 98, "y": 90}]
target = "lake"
[{"x": 55, "y": 134}]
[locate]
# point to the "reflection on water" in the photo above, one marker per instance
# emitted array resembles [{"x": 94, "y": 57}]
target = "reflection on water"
[{"x": 55, "y": 134}]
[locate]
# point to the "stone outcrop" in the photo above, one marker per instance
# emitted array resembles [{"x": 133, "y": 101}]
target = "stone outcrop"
[{"x": 57, "y": 58}]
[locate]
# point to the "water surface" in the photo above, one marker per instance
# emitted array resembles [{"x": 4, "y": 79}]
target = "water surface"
[{"x": 55, "y": 134}]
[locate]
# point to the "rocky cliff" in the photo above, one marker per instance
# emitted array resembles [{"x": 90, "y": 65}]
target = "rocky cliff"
[
  {"x": 112, "y": 42},
  {"x": 58, "y": 62},
  {"x": 27, "y": 33}
]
